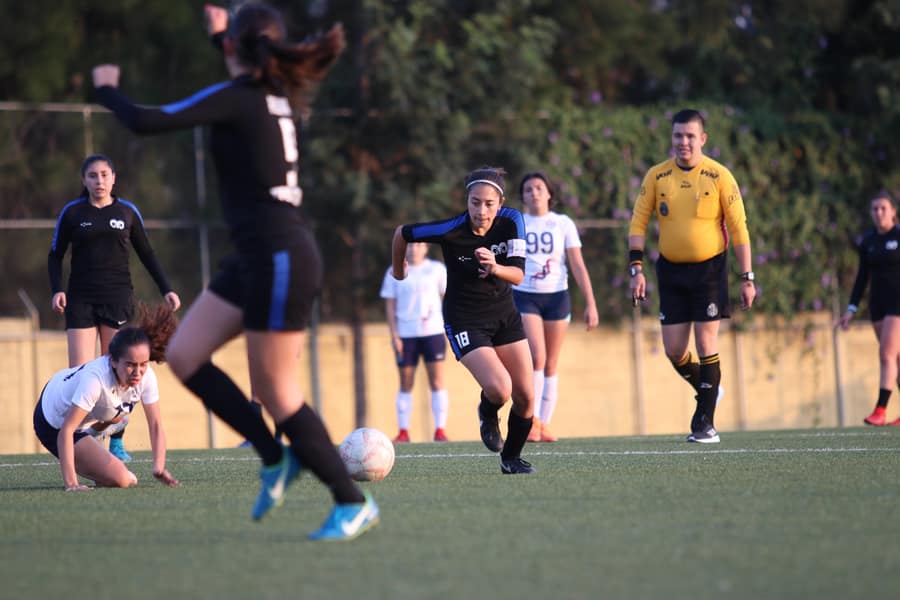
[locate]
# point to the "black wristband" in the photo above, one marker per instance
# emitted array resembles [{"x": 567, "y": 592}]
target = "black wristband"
[{"x": 635, "y": 256}]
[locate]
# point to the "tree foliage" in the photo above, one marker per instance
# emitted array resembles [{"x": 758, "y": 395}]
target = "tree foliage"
[{"x": 801, "y": 99}]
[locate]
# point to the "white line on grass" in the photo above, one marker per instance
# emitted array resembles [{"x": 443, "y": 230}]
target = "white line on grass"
[{"x": 538, "y": 453}]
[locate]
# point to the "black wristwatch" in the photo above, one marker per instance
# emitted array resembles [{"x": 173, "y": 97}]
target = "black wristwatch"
[
  {"x": 634, "y": 270},
  {"x": 748, "y": 276}
]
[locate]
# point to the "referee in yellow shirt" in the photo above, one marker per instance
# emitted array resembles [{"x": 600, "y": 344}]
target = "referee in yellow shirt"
[{"x": 698, "y": 204}]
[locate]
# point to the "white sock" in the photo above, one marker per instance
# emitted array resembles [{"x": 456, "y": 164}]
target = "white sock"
[
  {"x": 404, "y": 407},
  {"x": 538, "y": 392},
  {"x": 548, "y": 402},
  {"x": 439, "y": 408}
]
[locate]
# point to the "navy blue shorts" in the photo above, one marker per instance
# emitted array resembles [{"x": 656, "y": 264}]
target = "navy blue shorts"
[
  {"x": 432, "y": 348},
  {"x": 48, "y": 434},
  {"x": 693, "y": 292},
  {"x": 554, "y": 306},
  {"x": 498, "y": 331},
  {"x": 276, "y": 291},
  {"x": 87, "y": 315}
]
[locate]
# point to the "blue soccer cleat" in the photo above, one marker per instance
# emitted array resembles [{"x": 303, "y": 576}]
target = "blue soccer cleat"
[
  {"x": 348, "y": 521},
  {"x": 275, "y": 480},
  {"x": 117, "y": 449}
]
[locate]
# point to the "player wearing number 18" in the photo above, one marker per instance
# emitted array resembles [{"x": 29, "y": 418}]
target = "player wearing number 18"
[
  {"x": 266, "y": 288},
  {"x": 484, "y": 250}
]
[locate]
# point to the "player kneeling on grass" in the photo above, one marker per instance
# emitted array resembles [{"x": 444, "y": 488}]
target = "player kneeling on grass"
[{"x": 81, "y": 404}]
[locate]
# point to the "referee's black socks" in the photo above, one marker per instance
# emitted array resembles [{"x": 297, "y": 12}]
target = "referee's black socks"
[
  {"x": 710, "y": 377},
  {"x": 226, "y": 400},
  {"x": 689, "y": 371}
]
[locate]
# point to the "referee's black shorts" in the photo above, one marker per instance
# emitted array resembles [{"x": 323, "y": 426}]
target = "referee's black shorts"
[{"x": 691, "y": 292}]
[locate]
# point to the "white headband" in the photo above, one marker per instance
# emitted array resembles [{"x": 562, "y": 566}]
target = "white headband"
[{"x": 471, "y": 183}]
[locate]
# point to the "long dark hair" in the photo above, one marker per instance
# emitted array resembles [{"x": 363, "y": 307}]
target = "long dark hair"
[
  {"x": 153, "y": 325},
  {"x": 86, "y": 164},
  {"x": 292, "y": 69},
  {"x": 543, "y": 177},
  {"x": 491, "y": 175}
]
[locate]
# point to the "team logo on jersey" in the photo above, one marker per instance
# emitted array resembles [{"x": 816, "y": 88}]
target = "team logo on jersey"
[
  {"x": 663, "y": 209},
  {"x": 712, "y": 310},
  {"x": 117, "y": 223},
  {"x": 85, "y": 224},
  {"x": 546, "y": 269},
  {"x": 891, "y": 245},
  {"x": 685, "y": 185}
]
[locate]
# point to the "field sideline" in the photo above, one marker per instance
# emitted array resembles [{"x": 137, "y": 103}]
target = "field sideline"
[{"x": 780, "y": 514}]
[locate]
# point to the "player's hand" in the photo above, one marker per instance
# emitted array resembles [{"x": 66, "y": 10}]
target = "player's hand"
[
  {"x": 591, "y": 318},
  {"x": 638, "y": 289},
  {"x": 104, "y": 75},
  {"x": 844, "y": 321},
  {"x": 166, "y": 478},
  {"x": 216, "y": 19},
  {"x": 487, "y": 260},
  {"x": 77, "y": 487},
  {"x": 398, "y": 345},
  {"x": 748, "y": 293},
  {"x": 173, "y": 301},
  {"x": 59, "y": 302}
]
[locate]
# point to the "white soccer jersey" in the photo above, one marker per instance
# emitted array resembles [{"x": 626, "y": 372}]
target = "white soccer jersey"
[
  {"x": 546, "y": 240},
  {"x": 93, "y": 387},
  {"x": 418, "y": 298}
]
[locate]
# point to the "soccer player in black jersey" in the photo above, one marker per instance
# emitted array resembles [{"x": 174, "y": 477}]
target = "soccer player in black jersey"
[
  {"x": 101, "y": 228},
  {"x": 484, "y": 250},
  {"x": 879, "y": 260},
  {"x": 266, "y": 287}
]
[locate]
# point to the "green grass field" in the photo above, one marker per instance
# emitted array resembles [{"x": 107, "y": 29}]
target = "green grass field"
[{"x": 787, "y": 514}]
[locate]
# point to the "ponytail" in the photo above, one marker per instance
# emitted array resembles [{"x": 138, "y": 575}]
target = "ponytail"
[{"x": 290, "y": 69}]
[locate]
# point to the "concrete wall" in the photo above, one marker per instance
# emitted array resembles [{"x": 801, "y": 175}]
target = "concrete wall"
[{"x": 782, "y": 378}]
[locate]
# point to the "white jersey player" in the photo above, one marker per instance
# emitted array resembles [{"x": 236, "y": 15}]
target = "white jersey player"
[
  {"x": 551, "y": 239},
  {"x": 415, "y": 319},
  {"x": 80, "y": 401}
]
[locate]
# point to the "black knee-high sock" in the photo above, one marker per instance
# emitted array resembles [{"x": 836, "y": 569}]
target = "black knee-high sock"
[
  {"x": 689, "y": 371},
  {"x": 487, "y": 408},
  {"x": 710, "y": 377},
  {"x": 225, "y": 399},
  {"x": 883, "y": 396},
  {"x": 516, "y": 435},
  {"x": 312, "y": 446},
  {"x": 257, "y": 406}
]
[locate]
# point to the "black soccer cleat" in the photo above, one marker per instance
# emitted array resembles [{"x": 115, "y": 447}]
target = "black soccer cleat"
[
  {"x": 516, "y": 466},
  {"x": 490, "y": 431},
  {"x": 705, "y": 434}
]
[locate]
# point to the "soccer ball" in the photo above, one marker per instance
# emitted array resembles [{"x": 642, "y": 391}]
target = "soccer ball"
[{"x": 368, "y": 454}]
